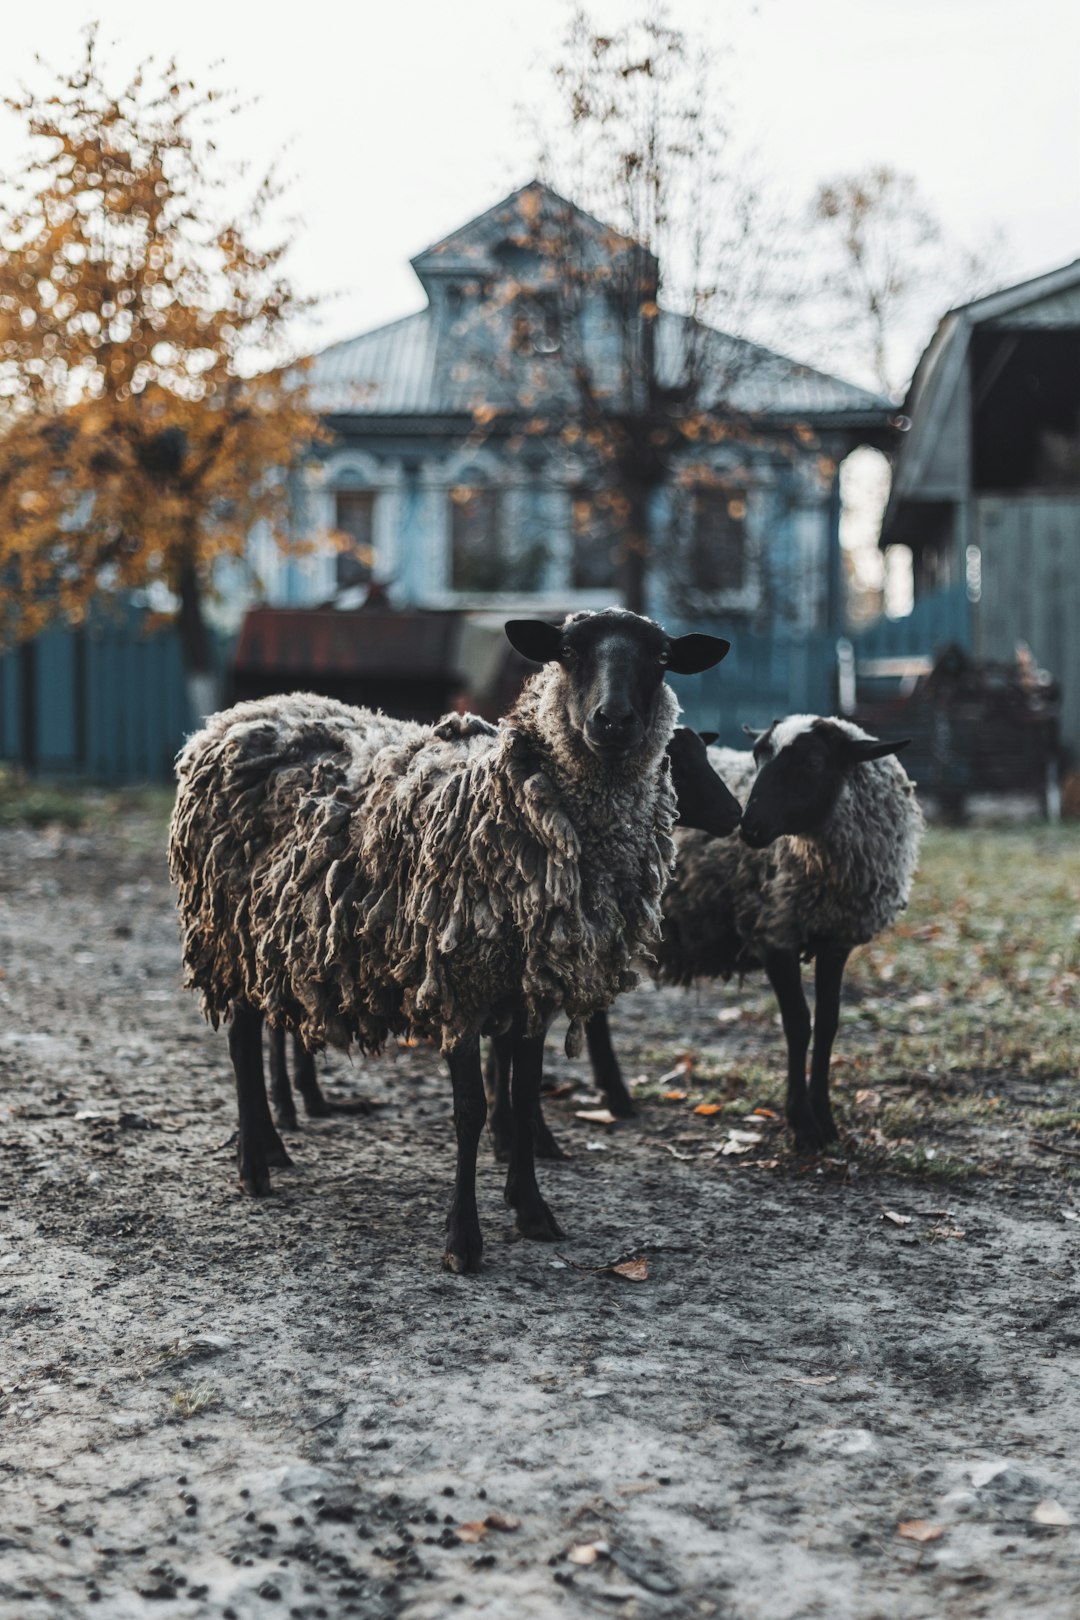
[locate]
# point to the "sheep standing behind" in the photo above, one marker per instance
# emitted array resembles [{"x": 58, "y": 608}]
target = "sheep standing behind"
[
  {"x": 351, "y": 882},
  {"x": 824, "y": 861}
]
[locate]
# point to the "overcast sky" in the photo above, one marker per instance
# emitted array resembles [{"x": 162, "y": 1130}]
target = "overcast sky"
[{"x": 400, "y": 120}]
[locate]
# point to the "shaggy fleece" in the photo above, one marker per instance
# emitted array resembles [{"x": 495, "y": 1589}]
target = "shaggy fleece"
[
  {"x": 355, "y": 876},
  {"x": 728, "y": 904}
]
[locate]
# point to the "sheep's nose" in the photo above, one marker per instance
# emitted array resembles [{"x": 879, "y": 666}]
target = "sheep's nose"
[{"x": 613, "y": 720}]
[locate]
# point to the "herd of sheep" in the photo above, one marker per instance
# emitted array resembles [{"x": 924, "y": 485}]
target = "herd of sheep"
[{"x": 348, "y": 877}]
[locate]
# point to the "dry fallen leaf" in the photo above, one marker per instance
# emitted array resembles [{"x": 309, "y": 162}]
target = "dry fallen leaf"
[
  {"x": 632, "y": 1270},
  {"x": 595, "y": 1116},
  {"x": 766, "y": 1113},
  {"x": 1051, "y": 1513},
  {"x": 682, "y": 1069},
  {"x": 897, "y": 1220},
  {"x": 707, "y": 1108},
  {"x": 588, "y": 1552},
  {"x": 867, "y": 1099},
  {"x": 472, "y": 1532},
  {"x": 502, "y": 1521},
  {"x": 817, "y": 1378},
  {"x": 947, "y": 1232},
  {"x": 920, "y": 1530},
  {"x": 677, "y": 1153},
  {"x": 676, "y": 1096}
]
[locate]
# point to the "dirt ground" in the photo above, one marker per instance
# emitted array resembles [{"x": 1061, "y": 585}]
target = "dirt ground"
[{"x": 215, "y": 1407}]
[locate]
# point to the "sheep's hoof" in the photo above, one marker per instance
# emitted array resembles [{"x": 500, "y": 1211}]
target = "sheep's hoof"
[
  {"x": 545, "y": 1146},
  {"x": 811, "y": 1134},
  {"x": 464, "y": 1244},
  {"x": 621, "y": 1103},
  {"x": 274, "y": 1150},
  {"x": 532, "y": 1217},
  {"x": 538, "y": 1223},
  {"x": 501, "y": 1138},
  {"x": 286, "y": 1119},
  {"x": 255, "y": 1179}
]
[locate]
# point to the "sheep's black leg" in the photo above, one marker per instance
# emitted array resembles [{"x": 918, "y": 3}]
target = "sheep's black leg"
[
  {"x": 280, "y": 1089},
  {"x": 259, "y": 1144},
  {"x": 605, "y": 1066},
  {"x": 315, "y": 1104},
  {"x": 785, "y": 976},
  {"x": 533, "y": 1218},
  {"x": 464, "y": 1241},
  {"x": 497, "y": 1084},
  {"x": 828, "y": 977}
]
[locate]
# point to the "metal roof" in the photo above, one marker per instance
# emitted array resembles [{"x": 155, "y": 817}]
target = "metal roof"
[
  {"x": 413, "y": 367},
  {"x": 937, "y": 388},
  {"x": 437, "y": 363}
]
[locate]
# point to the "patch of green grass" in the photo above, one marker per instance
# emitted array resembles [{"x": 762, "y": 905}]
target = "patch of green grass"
[
  {"x": 958, "y": 1031},
  {"x": 31, "y": 802},
  {"x": 190, "y": 1402}
]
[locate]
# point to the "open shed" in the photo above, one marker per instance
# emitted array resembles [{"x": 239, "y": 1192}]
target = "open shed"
[{"x": 986, "y": 488}]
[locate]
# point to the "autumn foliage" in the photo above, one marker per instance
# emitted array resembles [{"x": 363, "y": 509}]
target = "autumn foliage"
[{"x": 148, "y": 413}]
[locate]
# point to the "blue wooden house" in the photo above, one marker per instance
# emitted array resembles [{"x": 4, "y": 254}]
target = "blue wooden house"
[{"x": 458, "y": 478}]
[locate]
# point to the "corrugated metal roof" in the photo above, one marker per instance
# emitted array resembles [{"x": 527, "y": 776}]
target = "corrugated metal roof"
[{"x": 409, "y": 368}]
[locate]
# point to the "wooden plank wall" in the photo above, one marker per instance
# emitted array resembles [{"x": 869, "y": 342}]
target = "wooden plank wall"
[{"x": 1030, "y": 547}]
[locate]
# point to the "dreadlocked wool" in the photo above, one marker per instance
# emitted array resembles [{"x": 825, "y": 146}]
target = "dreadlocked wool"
[
  {"x": 354, "y": 876},
  {"x": 728, "y": 904}
]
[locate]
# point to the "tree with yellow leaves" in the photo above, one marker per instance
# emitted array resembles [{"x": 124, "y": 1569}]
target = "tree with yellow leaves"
[{"x": 148, "y": 410}]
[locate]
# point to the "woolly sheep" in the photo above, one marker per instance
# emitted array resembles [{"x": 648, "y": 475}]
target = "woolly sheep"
[
  {"x": 352, "y": 882},
  {"x": 703, "y": 801},
  {"x": 824, "y": 861}
]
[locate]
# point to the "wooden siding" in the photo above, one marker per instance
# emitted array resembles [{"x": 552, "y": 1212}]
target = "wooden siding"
[{"x": 1030, "y": 547}]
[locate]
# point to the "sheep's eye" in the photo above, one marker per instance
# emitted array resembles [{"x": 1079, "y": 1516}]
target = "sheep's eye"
[{"x": 566, "y": 651}]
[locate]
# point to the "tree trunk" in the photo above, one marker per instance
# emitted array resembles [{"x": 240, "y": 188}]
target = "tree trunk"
[
  {"x": 635, "y": 565},
  {"x": 203, "y": 685}
]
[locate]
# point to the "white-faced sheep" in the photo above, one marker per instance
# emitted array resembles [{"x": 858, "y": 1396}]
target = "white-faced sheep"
[
  {"x": 824, "y": 861},
  {"x": 355, "y": 882}
]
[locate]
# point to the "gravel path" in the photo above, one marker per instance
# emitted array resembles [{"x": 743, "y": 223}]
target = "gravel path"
[{"x": 212, "y": 1407}]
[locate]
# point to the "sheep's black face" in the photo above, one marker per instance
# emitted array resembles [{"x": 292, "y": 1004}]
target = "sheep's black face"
[
  {"x": 705, "y": 801},
  {"x": 802, "y": 765},
  {"x": 615, "y": 663}
]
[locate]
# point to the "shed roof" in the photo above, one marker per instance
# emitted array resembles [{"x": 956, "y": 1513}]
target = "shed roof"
[{"x": 936, "y": 391}]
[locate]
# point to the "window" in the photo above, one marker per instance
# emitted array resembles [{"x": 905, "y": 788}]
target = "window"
[
  {"x": 354, "y": 511},
  {"x": 536, "y": 325},
  {"x": 476, "y": 561},
  {"x": 594, "y": 565},
  {"x": 717, "y": 559}
]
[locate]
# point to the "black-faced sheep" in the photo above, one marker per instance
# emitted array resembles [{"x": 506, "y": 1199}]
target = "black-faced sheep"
[
  {"x": 702, "y": 801},
  {"x": 351, "y": 882},
  {"x": 824, "y": 861}
]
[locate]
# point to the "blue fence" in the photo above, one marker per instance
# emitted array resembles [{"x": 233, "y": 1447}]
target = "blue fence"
[
  {"x": 766, "y": 676},
  {"x": 107, "y": 702}
]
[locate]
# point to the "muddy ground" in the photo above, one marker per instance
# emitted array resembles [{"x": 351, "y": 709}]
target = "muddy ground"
[{"x": 212, "y": 1407}]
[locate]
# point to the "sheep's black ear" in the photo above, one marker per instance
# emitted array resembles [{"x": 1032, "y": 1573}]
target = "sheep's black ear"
[
  {"x": 708, "y": 737},
  {"x": 533, "y": 639},
  {"x": 689, "y": 655},
  {"x": 860, "y": 749}
]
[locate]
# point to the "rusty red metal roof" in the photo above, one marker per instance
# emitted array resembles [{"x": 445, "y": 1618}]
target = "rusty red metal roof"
[{"x": 327, "y": 641}]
